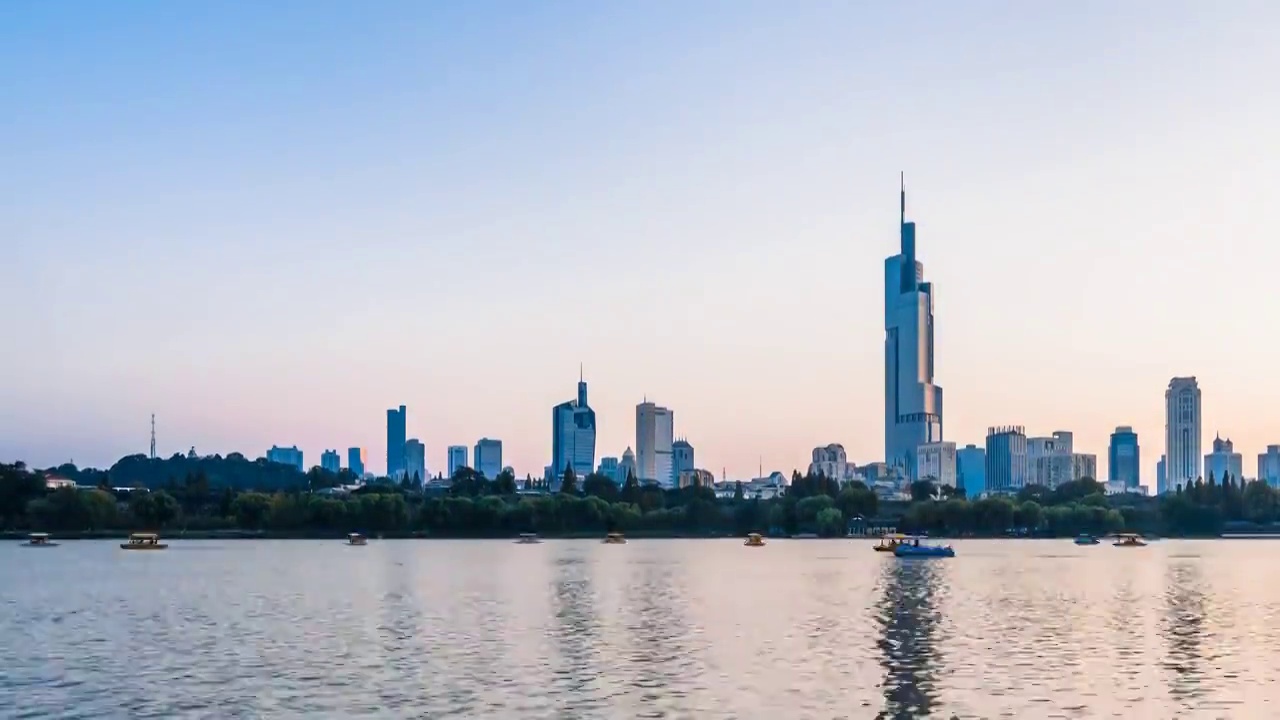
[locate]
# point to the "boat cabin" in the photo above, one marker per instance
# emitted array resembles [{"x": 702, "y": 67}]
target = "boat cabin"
[{"x": 356, "y": 539}]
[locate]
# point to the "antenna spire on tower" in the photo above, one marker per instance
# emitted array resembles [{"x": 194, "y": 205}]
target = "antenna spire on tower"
[
  {"x": 902, "y": 196},
  {"x": 153, "y": 436}
]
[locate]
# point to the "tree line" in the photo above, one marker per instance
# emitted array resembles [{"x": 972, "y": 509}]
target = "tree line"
[{"x": 219, "y": 494}]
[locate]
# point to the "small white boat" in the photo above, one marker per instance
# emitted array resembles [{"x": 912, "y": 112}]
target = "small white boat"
[
  {"x": 1129, "y": 540},
  {"x": 143, "y": 541},
  {"x": 754, "y": 540},
  {"x": 39, "y": 540},
  {"x": 615, "y": 538},
  {"x": 357, "y": 539},
  {"x": 528, "y": 539}
]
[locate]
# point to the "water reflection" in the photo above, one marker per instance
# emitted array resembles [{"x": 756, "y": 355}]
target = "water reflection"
[
  {"x": 576, "y": 635},
  {"x": 660, "y": 665},
  {"x": 1184, "y": 630},
  {"x": 909, "y": 618}
]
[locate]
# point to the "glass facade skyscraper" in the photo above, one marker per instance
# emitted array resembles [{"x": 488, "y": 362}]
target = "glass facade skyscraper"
[
  {"x": 573, "y": 436},
  {"x": 395, "y": 442},
  {"x": 1124, "y": 461}
]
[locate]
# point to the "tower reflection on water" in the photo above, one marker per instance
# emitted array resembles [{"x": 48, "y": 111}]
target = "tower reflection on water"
[{"x": 908, "y": 616}]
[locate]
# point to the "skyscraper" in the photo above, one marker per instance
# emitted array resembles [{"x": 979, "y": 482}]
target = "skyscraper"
[
  {"x": 912, "y": 403},
  {"x": 1181, "y": 432},
  {"x": 654, "y": 436},
  {"x": 487, "y": 457},
  {"x": 573, "y": 434},
  {"x": 330, "y": 460},
  {"x": 1162, "y": 476},
  {"x": 1269, "y": 466},
  {"x": 971, "y": 470},
  {"x": 415, "y": 460},
  {"x": 355, "y": 461},
  {"x": 286, "y": 456},
  {"x": 1223, "y": 461},
  {"x": 1123, "y": 459},
  {"x": 457, "y": 458},
  {"x": 395, "y": 442}
]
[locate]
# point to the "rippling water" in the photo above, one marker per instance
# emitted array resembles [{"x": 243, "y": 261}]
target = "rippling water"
[{"x": 651, "y": 629}]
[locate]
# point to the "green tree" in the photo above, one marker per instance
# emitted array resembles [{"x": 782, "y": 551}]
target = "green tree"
[
  {"x": 251, "y": 510},
  {"x": 601, "y": 486},
  {"x": 569, "y": 481},
  {"x": 830, "y": 522}
]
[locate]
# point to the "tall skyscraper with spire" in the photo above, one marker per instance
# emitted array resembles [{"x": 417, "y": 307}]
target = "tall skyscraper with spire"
[
  {"x": 912, "y": 402},
  {"x": 573, "y": 435}
]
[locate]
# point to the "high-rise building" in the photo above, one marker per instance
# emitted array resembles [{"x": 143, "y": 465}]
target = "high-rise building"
[
  {"x": 415, "y": 461},
  {"x": 1182, "y": 432},
  {"x": 457, "y": 458},
  {"x": 832, "y": 461},
  {"x": 487, "y": 458},
  {"x": 1162, "y": 476},
  {"x": 355, "y": 461},
  {"x": 681, "y": 457},
  {"x": 971, "y": 470},
  {"x": 1223, "y": 460},
  {"x": 936, "y": 461},
  {"x": 573, "y": 434},
  {"x": 286, "y": 456},
  {"x": 627, "y": 466},
  {"x": 1006, "y": 459},
  {"x": 1269, "y": 466},
  {"x": 655, "y": 428},
  {"x": 1083, "y": 465},
  {"x": 330, "y": 460},
  {"x": 1123, "y": 459},
  {"x": 395, "y": 442},
  {"x": 912, "y": 402}
]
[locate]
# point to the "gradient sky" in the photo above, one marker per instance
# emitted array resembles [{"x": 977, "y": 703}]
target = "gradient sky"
[{"x": 269, "y": 222}]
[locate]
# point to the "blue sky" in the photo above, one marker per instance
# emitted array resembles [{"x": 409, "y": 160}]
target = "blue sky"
[{"x": 267, "y": 223}]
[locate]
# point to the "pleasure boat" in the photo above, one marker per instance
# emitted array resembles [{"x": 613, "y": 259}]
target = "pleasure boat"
[
  {"x": 615, "y": 538},
  {"x": 357, "y": 539},
  {"x": 915, "y": 549},
  {"x": 40, "y": 540},
  {"x": 889, "y": 542},
  {"x": 143, "y": 541},
  {"x": 1086, "y": 539},
  {"x": 1129, "y": 540},
  {"x": 528, "y": 539},
  {"x": 754, "y": 540}
]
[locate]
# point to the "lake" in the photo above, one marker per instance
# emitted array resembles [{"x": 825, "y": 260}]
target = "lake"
[{"x": 652, "y": 629}]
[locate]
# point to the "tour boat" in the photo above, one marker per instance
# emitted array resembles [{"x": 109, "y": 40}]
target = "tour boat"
[
  {"x": 143, "y": 541},
  {"x": 615, "y": 538},
  {"x": 528, "y": 539},
  {"x": 915, "y": 549},
  {"x": 40, "y": 540},
  {"x": 1129, "y": 540},
  {"x": 357, "y": 539},
  {"x": 889, "y": 542},
  {"x": 1086, "y": 539},
  {"x": 754, "y": 540}
]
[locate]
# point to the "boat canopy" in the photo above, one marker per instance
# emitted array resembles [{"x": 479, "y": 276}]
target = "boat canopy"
[
  {"x": 36, "y": 536},
  {"x": 143, "y": 536}
]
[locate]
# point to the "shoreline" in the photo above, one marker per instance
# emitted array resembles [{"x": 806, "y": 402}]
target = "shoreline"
[{"x": 16, "y": 535}]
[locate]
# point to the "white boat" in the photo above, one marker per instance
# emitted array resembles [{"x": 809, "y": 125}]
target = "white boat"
[
  {"x": 357, "y": 539},
  {"x": 39, "y": 540},
  {"x": 528, "y": 539}
]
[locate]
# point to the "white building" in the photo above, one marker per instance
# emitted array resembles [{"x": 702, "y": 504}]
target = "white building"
[
  {"x": 937, "y": 461},
  {"x": 1269, "y": 466},
  {"x": 1223, "y": 460},
  {"x": 1084, "y": 465},
  {"x": 831, "y": 461},
  {"x": 415, "y": 460},
  {"x": 1182, "y": 432},
  {"x": 627, "y": 466},
  {"x": 655, "y": 434},
  {"x": 1049, "y": 459}
]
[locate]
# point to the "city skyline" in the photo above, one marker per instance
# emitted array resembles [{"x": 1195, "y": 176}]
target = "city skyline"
[{"x": 272, "y": 250}]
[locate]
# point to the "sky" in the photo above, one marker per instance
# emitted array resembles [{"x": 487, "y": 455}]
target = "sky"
[{"x": 267, "y": 223}]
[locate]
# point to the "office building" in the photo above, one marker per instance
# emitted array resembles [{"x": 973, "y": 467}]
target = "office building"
[
  {"x": 654, "y": 437},
  {"x": 457, "y": 458},
  {"x": 609, "y": 468},
  {"x": 1223, "y": 461},
  {"x": 395, "y": 442},
  {"x": 573, "y": 434},
  {"x": 286, "y": 456},
  {"x": 1083, "y": 465},
  {"x": 331, "y": 461},
  {"x": 695, "y": 478},
  {"x": 1162, "y": 477},
  {"x": 627, "y": 466},
  {"x": 681, "y": 456},
  {"x": 415, "y": 461},
  {"x": 1006, "y": 459},
  {"x": 1123, "y": 458},
  {"x": 355, "y": 461},
  {"x": 1182, "y": 432},
  {"x": 1050, "y": 460},
  {"x": 487, "y": 458},
  {"x": 971, "y": 470},
  {"x": 1269, "y": 466},
  {"x": 936, "y": 461},
  {"x": 912, "y": 402}
]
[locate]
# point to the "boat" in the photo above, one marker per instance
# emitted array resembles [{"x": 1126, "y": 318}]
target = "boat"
[
  {"x": 754, "y": 540},
  {"x": 1129, "y": 540},
  {"x": 915, "y": 549},
  {"x": 1086, "y": 539},
  {"x": 889, "y": 542},
  {"x": 528, "y": 539},
  {"x": 357, "y": 539},
  {"x": 615, "y": 538},
  {"x": 40, "y": 540},
  {"x": 143, "y": 541}
]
